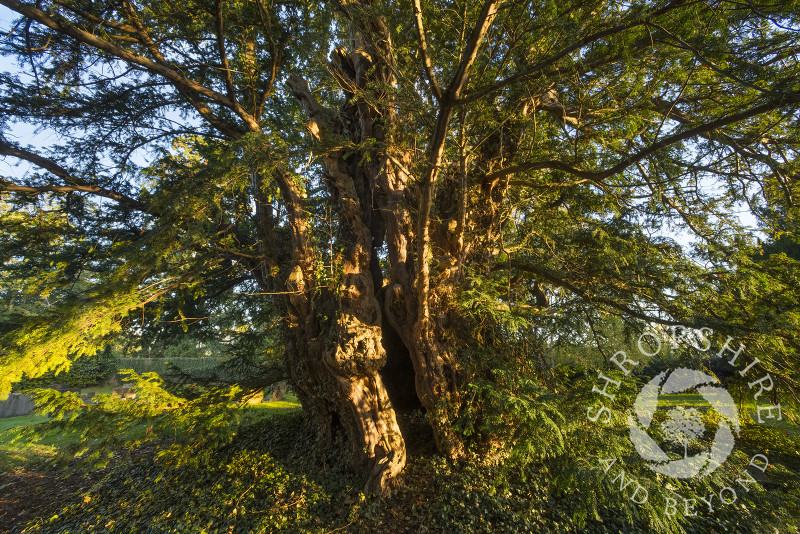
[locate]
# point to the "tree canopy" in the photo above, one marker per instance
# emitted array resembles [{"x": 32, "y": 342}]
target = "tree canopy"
[{"x": 407, "y": 197}]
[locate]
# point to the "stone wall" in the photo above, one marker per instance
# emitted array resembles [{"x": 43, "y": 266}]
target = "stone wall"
[{"x": 16, "y": 404}]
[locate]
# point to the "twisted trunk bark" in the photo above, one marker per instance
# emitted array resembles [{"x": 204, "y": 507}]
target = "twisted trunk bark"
[
  {"x": 434, "y": 366},
  {"x": 337, "y": 365},
  {"x": 335, "y": 351},
  {"x": 341, "y": 356}
]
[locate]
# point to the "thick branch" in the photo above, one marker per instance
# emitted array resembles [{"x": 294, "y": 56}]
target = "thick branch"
[
  {"x": 474, "y": 42},
  {"x": 93, "y": 189},
  {"x": 85, "y": 37},
  {"x": 599, "y": 176},
  {"x": 144, "y": 36},
  {"x": 738, "y": 145},
  {"x": 223, "y": 53},
  {"x": 275, "y": 59},
  {"x": 546, "y": 63},
  {"x": 322, "y": 116},
  {"x": 423, "y": 49},
  {"x": 97, "y": 20},
  {"x": 61, "y": 172},
  {"x": 437, "y": 142}
]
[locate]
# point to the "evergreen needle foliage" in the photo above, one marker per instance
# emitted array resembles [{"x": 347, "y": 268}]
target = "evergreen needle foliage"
[{"x": 458, "y": 208}]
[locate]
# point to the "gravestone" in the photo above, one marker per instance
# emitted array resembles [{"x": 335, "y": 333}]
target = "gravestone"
[
  {"x": 112, "y": 382},
  {"x": 278, "y": 391},
  {"x": 124, "y": 393}
]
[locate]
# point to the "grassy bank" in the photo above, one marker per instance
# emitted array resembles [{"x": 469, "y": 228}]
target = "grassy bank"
[{"x": 272, "y": 477}]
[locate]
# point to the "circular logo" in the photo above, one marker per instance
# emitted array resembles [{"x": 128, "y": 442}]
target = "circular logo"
[{"x": 683, "y": 424}]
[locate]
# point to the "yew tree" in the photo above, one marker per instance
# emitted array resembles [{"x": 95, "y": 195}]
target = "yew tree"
[{"x": 418, "y": 190}]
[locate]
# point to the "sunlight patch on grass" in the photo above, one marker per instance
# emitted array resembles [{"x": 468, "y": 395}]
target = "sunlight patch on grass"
[
  {"x": 255, "y": 412},
  {"x": 16, "y": 454}
]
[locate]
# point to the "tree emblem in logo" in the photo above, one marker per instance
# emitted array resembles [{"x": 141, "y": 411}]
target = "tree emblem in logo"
[{"x": 683, "y": 424}]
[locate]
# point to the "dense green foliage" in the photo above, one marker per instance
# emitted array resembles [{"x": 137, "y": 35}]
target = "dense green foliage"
[
  {"x": 493, "y": 197},
  {"x": 210, "y": 473},
  {"x": 85, "y": 372},
  {"x": 588, "y": 201}
]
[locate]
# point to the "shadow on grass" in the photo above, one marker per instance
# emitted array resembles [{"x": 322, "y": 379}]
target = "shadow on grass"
[{"x": 273, "y": 477}]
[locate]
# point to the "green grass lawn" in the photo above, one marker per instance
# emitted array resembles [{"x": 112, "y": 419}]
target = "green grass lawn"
[
  {"x": 255, "y": 412},
  {"x": 779, "y": 439},
  {"x": 269, "y": 408},
  {"x": 271, "y": 466},
  {"x": 17, "y": 453},
  {"x": 747, "y": 410},
  {"x": 20, "y": 452},
  {"x": 22, "y": 420}
]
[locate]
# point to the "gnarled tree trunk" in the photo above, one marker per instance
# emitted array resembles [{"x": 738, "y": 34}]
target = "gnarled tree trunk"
[
  {"x": 341, "y": 372},
  {"x": 379, "y": 202},
  {"x": 434, "y": 366}
]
